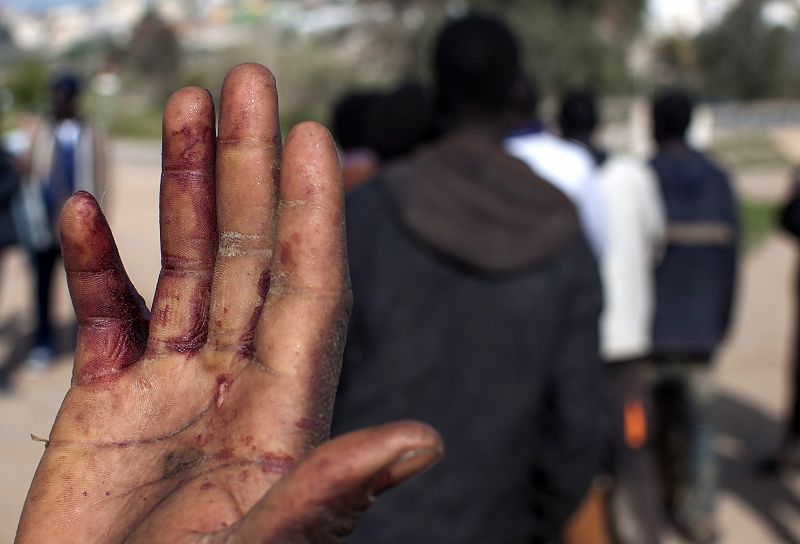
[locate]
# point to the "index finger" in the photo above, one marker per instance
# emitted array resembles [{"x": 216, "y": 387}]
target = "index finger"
[{"x": 188, "y": 224}]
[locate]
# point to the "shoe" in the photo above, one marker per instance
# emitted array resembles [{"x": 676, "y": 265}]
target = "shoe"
[
  {"x": 769, "y": 466},
  {"x": 697, "y": 532},
  {"x": 40, "y": 358},
  {"x": 786, "y": 459}
]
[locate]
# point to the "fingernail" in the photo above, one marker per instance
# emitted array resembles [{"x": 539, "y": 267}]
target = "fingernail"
[{"x": 406, "y": 465}]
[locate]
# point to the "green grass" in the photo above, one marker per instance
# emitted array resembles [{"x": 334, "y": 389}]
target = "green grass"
[
  {"x": 757, "y": 220},
  {"x": 751, "y": 151},
  {"x": 142, "y": 125}
]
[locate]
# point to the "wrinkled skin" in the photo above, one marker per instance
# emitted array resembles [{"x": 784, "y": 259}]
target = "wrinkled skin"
[{"x": 208, "y": 421}]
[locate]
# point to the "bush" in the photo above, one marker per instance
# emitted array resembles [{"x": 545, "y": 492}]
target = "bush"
[{"x": 28, "y": 84}]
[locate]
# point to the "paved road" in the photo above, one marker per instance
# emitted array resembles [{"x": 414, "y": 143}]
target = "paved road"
[
  {"x": 752, "y": 371},
  {"x": 132, "y": 206}
]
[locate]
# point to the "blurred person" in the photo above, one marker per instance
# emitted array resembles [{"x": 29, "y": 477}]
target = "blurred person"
[
  {"x": 694, "y": 299},
  {"x": 399, "y": 121},
  {"x": 9, "y": 188},
  {"x": 66, "y": 155},
  {"x": 788, "y": 455},
  {"x": 349, "y": 125},
  {"x": 636, "y": 230},
  {"x": 175, "y": 429},
  {"x": 565, "y": 164},
  {"x": 9, "y": 191},
  {"x": 476, "y": 302}
]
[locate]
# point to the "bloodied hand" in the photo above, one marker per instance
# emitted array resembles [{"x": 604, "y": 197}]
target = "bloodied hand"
[{"x": 207, "y": 422}]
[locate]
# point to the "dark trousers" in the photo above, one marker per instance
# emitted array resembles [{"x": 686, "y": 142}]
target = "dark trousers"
[
  {"x": 684, "y": 398},
  {"x": 45, "y": 263},
  {"x": 794, "y": 423},
  {"x": 634, "y": 501}
]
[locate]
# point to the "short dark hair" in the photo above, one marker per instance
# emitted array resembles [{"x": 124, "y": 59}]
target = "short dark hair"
[
  {"x": 399, "y": 120},
  {"x": 476, "y": 65},
  {"x": 67, "y": 83},
  {"x": 350, "y": 116},
  {"x": 672, "y": 114},
  {"x": 578, "y": 114}
]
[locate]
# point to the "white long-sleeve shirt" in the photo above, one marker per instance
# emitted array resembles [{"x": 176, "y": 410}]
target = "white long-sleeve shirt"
[
  {"x": 571, "y": 169},
  {"x": 636, "y": 223}
]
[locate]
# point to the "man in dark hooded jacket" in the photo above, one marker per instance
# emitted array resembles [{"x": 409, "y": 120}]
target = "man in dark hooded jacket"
[
  {"x": 476, "y": 309},
  {"x": 694, "y": 297}
]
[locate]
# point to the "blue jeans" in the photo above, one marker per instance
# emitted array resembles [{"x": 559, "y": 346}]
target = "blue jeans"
[{"x": 684, "y": 397}]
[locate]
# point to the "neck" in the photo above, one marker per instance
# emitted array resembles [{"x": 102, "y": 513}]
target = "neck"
[
  {"x": 673, "y": 144},
  {"x": 486, "y": 128},
  {"x": 583, "y": 139}
]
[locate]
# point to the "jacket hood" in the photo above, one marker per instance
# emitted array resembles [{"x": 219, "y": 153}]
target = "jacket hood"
[
  {"x": 688, "y": 170},
  {"x": 468, "y": 199}
]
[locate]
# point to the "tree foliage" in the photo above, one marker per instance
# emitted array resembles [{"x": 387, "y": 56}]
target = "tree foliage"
[
  {"x": 566, "y": 43},
  {"x": 743, "y": 57},
  {"x": 154, "y": 53},
  {"x": 28, "y": 84},
  {"x": 574, "y": 43}
]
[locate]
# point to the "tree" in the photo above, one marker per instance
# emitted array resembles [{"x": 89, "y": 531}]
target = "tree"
[
  {"x": 676, "y": 63},
  {"x": 28, "y": 84},
  {"x": 8, "y": 49},
  {"x": 566, "y": 43},
  {"x": 743, "y": 57},
  {"x": 571, "y": 44},
  {"x": 154, "y": 53}
]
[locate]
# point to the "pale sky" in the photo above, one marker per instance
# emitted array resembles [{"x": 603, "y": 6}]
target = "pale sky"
[
  {"x": 687, "y": 16},
  {"x": 690, "y": 16},
  {"x": 664, "y": 16}
]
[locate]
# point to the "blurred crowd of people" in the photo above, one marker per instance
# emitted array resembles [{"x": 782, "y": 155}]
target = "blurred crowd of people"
[{"x": 551, "y": 307}]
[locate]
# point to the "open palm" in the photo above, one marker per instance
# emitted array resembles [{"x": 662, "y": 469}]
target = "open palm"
[{"x": 202, "y": 423}]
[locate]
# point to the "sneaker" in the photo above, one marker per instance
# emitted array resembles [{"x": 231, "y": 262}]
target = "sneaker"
[
  {"x": 786, "y": 459},
  {"x": 40, "y": 358},
  {"x": 697, "y": 532}
]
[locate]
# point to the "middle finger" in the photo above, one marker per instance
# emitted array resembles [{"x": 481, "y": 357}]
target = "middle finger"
[{"x": 248, "y": 159}]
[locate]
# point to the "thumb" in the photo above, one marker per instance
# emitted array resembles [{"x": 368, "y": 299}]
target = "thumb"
[{"x": 321, "y": 500}]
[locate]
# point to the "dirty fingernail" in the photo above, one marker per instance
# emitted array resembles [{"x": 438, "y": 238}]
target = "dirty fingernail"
[{"x": 406, "y": 465}]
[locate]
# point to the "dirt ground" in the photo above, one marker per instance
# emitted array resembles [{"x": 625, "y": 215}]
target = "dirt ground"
[{"x": 752, "y": 372}]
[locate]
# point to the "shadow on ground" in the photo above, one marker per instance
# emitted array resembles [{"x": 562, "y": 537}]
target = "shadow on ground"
[
  {"x": 752, "y": 436},
  {"x": 21, "y": 341}
]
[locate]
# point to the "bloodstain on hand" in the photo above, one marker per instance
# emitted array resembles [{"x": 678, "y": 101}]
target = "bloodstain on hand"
[
  {"x": 286, "y": 254},
  {"x": 225, "y": 454},
  {"x": 276, "y": 464}
]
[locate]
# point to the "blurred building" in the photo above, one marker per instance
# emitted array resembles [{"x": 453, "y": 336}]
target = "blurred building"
[{"x": 54, "y": 25}]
